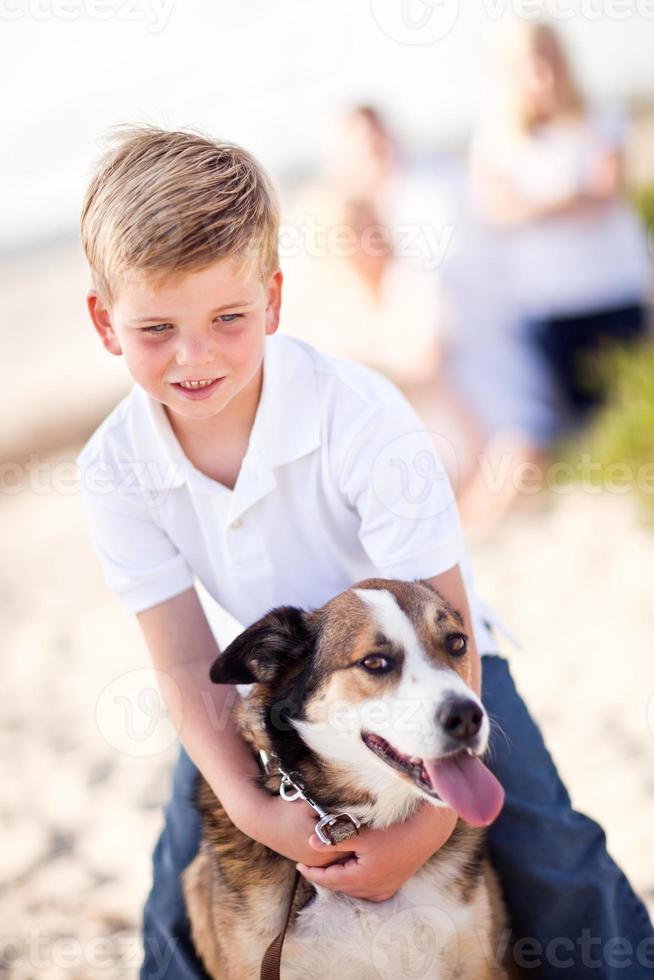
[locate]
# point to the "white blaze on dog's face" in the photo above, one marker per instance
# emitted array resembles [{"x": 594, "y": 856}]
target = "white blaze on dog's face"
[
  {"x": 427, "y": 677},
  {"x": 395, "y": 703}
]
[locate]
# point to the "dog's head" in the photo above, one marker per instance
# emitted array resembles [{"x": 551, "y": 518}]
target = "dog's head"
[{"x": 376, "y": 685}]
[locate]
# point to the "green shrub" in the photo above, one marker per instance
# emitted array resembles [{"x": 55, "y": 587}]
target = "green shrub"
[
  {"x": 643, "y": 200},
  {"x": 622, "y": 431}
]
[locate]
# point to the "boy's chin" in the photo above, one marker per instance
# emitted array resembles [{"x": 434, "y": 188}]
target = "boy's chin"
[{"x": 189, "y": 409}]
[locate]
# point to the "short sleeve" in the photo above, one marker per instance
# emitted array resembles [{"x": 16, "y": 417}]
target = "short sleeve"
[
  {"x": 393, "y": 475},
  {"x": 140, "y": 563}
]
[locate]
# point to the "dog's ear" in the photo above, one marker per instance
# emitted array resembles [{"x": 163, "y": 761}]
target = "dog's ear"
[
  {"x": 264, "y": 650},
  {"x": 428, "y": 585}
]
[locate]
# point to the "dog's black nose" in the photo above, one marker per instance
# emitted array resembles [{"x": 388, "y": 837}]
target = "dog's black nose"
[{"x": 460, "y": 717}]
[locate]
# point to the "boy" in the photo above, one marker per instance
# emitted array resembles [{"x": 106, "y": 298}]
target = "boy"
[{"x": 275, "y": 475}]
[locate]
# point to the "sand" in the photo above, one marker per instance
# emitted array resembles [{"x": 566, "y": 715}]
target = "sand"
[{"x": 81, "y": 802}]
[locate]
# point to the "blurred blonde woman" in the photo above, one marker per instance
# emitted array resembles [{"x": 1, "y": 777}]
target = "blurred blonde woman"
[
  {"x": 569, "y": 255},
  {"x": 548, "y": 173}
]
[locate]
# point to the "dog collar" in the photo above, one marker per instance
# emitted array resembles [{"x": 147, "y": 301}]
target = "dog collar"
[{"x": 331, "y": 828}]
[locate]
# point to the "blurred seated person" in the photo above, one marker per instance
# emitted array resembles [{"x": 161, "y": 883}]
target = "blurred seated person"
[
  {"x": 373, "y": 307},
  {"x": 351, "y": 289}
]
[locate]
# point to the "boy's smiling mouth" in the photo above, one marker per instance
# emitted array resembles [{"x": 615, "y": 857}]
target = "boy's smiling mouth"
[
  {"x": 197, "y": 387},
  {"x": 196, "y": 382}
]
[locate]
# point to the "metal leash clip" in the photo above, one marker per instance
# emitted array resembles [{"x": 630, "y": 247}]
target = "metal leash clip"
[{"x": 331, "y": 828}]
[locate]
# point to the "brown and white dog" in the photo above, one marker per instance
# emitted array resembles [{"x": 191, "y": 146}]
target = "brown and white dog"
[{"x": 369, "y": 700}]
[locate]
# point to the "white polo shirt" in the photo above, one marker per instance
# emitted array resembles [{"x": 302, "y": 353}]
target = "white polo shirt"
[{"x": 339, "y": 483}]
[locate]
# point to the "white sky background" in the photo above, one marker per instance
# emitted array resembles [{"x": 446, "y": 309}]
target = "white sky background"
[{"x": 266, "y": 73}]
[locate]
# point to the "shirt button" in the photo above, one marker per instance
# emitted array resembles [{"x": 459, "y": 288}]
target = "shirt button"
[{"x": 237, "y": 524}]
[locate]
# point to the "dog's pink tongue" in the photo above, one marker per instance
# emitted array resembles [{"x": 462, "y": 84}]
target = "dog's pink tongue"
[{"x": 465, "y": 784}]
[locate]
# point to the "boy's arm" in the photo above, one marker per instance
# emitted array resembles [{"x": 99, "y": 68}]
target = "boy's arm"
[
  {"x": 385, "y": 859},
  {"x": 183, "y": 648}
]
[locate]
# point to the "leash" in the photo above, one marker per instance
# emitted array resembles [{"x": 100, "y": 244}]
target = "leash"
[
  {"x": 272, "y": 958},
  {"x": 331, "y": 828}
]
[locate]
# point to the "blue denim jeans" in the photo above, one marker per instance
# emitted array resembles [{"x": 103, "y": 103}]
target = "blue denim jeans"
[{"x": 573, "y": 912}]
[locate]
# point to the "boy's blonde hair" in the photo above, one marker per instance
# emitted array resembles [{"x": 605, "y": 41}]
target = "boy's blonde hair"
[{"x": 163, "y": 201}]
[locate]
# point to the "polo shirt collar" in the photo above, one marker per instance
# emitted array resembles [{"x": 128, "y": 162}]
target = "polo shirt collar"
[
  {"x": 286, "y": 427},
  {"x": 287, "y": 423}
]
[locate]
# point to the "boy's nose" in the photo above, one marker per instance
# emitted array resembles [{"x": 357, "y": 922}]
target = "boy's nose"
[{"x": 195, "y": 352}]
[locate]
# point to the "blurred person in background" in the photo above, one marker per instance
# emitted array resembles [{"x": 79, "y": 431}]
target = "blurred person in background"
[
  {"x": 365, "y": 292},
  {"x": 371, "y": 226},
  {"x": 570, "y": 260},
  {"x": 361, "y": 158}
]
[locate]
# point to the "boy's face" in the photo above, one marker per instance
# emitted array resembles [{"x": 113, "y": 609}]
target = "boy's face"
[{"x": 206, "y": 325}]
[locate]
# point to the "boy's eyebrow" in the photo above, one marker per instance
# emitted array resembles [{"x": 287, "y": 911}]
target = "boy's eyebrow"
[{"x": 166, "y": 319}]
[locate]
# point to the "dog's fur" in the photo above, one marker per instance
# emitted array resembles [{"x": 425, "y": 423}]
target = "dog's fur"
[{"x": 309, "y": 701}]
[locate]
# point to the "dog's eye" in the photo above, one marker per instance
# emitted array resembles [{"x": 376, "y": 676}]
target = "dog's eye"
[
  {"x": 456, "y": 644},
  {"x": 377, "y": 664}
]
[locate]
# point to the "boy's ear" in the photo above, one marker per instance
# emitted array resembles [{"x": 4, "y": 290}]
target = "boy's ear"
[
  {"x": 261, "y": 653},
  {"x": 274, "y": 302},
  {"x": 102, "y": 323}
]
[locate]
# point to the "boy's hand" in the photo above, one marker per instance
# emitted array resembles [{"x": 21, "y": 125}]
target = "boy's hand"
[
  {"x": 286, "y": 828},
  {"x": 383, "y": 859}
]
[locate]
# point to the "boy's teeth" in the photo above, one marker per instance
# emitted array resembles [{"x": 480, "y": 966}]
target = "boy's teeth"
[{"x": 196, "y": 384}]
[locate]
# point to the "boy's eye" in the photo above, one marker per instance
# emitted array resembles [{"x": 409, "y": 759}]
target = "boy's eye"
[
  {"x": 229, "y": 317},
  {"x": 159, "y": 328}
]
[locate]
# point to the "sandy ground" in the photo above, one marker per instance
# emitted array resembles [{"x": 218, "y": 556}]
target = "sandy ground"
[{"x": 87, "y": 758}]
